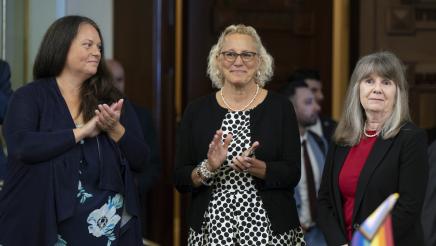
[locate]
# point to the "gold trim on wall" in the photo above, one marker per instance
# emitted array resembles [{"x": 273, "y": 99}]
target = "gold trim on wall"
[
  {"x": 178, "y": 107},
  {"x": 178, "y": 58},
  {"x": 340, "y": 54}
]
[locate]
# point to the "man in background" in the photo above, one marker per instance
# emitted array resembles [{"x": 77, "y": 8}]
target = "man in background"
[
  {"x": 151, "y": 171},
  {"x": 5, "y": 94},
  {"x": 325, "y": 125},
  {"x": 313, "y": 151}
]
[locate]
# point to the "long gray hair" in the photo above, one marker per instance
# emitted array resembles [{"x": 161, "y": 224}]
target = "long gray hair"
[
  {"x": 384, "y": 64},
  {"x": 265, "y": 71}
]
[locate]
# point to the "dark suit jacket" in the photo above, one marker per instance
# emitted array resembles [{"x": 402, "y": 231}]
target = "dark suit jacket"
[
  {"x": 152, "y": 168},
  {"x": 431, "y": 133},
  {"x": 5, "y": 88},
  {"x": 428, "y": 210},
  {"x": 5, "y": 94},
  {"x": 274, "y": 125},
  {"x": 328, "y": 126},
  {"x": 148, "y": 177},
  {"x": 394, "y": 165}
]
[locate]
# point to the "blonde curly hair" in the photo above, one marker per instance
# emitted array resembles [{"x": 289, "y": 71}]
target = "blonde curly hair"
[{"x": 265, "y": 71}]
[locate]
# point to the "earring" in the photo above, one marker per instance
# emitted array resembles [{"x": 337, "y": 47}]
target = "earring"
[{"x": 258, "y": 73}]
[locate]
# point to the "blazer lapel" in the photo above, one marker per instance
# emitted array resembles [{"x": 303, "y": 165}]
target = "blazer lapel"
[
  {"x": 341, "y": 154},
  {"x": 380, "y": 148},
  {"x": 61, "y": 104}
]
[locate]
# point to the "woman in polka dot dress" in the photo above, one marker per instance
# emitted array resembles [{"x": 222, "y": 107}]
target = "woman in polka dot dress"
[{"x": 241, "y": 182}]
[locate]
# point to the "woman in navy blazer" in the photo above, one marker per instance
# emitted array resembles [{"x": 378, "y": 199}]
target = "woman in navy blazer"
[
  {"x": 73, "y": 144},
  {"x": 376, "y": 151}
]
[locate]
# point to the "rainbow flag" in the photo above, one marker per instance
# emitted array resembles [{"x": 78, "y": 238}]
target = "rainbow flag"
[{"x": 376, "y": 230}]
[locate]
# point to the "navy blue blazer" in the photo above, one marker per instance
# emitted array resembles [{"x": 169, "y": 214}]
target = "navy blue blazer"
[
  {"x": 5, "y": 94},
  {"x": 5, "y": 88},
  {"x": 397, "y": 164},
  {"x": 41, "y": 184}
]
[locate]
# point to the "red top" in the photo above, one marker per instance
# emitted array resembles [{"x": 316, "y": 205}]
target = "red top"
[{"x": 349, "y": 176}]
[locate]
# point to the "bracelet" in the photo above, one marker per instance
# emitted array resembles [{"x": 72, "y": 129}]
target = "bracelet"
[
  {"x": 199, "y": 173},
  {"x": 204, "y": 171},
  {"x": 204, "y": 174},
  {"x": 203, "y": 180}
]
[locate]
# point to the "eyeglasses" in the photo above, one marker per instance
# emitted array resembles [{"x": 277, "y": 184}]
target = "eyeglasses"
[{"x": 246, "y": 56}]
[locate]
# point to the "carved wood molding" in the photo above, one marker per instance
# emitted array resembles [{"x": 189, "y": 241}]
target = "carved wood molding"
[{"x": 272, "y": 15}]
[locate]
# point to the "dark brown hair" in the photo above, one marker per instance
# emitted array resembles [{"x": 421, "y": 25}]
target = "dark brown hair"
[{"x": 52, "y": 56}]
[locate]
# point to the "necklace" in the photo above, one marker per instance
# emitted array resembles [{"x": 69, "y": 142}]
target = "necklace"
[
  {"x": 369, "y": 135},
  {"x": 246, "y": 106}
]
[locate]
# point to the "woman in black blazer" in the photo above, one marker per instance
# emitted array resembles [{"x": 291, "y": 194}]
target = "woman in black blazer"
[
  {"x": 240, "y": 197},
  {"x": 376, "y": 151}
]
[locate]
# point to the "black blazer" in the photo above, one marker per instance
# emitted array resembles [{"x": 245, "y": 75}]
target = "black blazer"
[
  {"x": 274, "y": 125},
  {"x": 5, "y": 94},
  {"x": 428, "y": 211},
  {"x": 398, "y": 165},
  {"x": 328, "y": 126}
]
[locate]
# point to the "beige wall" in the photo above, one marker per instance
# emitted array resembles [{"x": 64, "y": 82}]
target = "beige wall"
[{"x": 28, "y": 20}]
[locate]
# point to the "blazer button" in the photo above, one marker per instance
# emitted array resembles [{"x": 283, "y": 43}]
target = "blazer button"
[{"x": 356, "y": 226}]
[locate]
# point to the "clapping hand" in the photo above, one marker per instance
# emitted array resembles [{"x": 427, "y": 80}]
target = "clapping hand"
[
  {"x": 88, "y": 130},
  {"x": 243, "y": 162},
  {"x": 247, "y": 162},
  {"x": 108, "y": 119},
  {"x": 217, "y": 152}
]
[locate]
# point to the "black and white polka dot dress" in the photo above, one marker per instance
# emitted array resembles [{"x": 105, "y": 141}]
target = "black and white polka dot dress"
[{"x": 235, "y": 215}]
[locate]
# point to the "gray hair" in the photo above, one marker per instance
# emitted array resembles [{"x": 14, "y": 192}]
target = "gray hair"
[
  {"x": 384, "y": 64},
  {"x": 265, "y": 71}
]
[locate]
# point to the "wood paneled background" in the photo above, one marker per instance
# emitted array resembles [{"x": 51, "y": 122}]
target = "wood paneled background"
[{"x": 297, "y": 33}]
